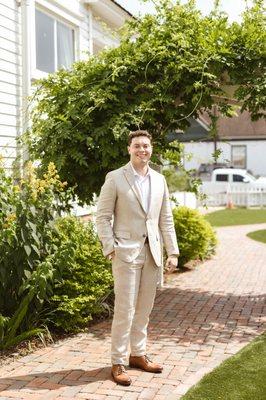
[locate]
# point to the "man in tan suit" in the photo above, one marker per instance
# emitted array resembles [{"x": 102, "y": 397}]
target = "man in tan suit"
[{"x": 134, "y": 218}]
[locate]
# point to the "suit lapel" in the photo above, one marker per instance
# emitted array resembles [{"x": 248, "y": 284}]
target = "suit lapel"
[{"x": 131, "y": 180}]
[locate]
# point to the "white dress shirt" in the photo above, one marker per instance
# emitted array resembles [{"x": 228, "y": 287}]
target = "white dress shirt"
[{"x": 144, "y": 185}]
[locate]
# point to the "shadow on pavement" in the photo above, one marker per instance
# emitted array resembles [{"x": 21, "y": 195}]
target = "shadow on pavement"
[{"x": 55, "y": 380}]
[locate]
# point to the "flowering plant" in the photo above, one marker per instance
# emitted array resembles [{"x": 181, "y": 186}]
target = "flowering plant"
[{"x": 29, "y": 208}]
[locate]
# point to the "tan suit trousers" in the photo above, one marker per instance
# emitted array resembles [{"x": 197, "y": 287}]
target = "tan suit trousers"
[{"x": 135, "y": 288}]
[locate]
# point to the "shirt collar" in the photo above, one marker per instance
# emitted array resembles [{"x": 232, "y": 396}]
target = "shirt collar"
[{"x": 138, "y": 175}]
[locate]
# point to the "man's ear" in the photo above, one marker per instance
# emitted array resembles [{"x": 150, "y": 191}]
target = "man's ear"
[{"x": 128, "y": 149}]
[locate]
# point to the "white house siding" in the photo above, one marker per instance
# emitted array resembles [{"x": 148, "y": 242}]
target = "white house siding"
[
  {"x": 201, "y": 152},
  {"x": 10, "y": 78}
]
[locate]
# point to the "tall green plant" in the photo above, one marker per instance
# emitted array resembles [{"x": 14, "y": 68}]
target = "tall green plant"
[{"x": 28, "y": 212}]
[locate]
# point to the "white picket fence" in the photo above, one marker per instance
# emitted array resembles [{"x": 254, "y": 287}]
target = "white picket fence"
[{"x": 220, "y": 194}]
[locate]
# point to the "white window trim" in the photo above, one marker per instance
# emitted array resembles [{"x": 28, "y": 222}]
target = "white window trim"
[
  {"x": 63, "y": 16},
  {"x": 57, "y": 8}
]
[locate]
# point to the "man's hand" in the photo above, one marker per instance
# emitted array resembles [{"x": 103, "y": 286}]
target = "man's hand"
[
  {"x": 171, "y": 264},
  {"x": 111, "y": 256}
]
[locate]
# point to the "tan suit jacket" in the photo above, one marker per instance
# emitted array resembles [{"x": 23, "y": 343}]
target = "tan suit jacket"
[{"x": 122, "y": 222}]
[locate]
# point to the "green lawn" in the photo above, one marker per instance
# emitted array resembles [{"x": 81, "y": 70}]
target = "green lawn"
[
  {"x": 241, "y": 377},
  {"x": 260, "y": 235},
  {"x": 238, "y": 216}
]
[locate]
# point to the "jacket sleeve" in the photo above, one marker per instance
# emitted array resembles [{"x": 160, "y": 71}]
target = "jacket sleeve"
[
  {"x": 166, "y": 224},
  {"x": 104, "y": 215}
]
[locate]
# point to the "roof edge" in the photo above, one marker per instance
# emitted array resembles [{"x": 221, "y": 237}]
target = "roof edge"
[{"x": 123, "y": 8}]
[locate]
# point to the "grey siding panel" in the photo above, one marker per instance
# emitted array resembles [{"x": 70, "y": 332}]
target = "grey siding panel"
[
  {"x": 11, "y": 11},
  {"x": 13, "y": 58},
  {"x": 9, "y": 109},
  {"x": 10, "y": 78},
  {"x": 12, "y": 68},
  {"x": 8, "y": 131},
  {"x": 7, "y": 44},
  {"x": 7, "y": 23},
  {"x": 9, "y": 88},
  {"x": 9, "y": 34},
  {"x": 9, "y": 99}
]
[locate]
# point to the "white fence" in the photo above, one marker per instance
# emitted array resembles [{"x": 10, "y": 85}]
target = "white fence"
[
  {"x": 184, "y": 199},
  {"x": 220, "y": 194}
]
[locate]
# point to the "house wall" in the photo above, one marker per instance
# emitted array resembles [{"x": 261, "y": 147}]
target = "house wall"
[
  {"x": 10, "y": 79},
  {"x": 100, "y": 34},
  {"x": 201, "y": 152}
]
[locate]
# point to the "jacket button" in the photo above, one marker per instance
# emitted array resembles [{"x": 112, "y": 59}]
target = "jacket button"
[{"x": 143, "y": 235}]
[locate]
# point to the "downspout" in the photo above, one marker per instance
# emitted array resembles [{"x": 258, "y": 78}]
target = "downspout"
[{"x": 28, "y": 52}]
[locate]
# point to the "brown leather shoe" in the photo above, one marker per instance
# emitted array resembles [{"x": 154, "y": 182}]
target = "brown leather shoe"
[
  {"x": 144, "y": 363},
  {"x": 120, "y": 375}
]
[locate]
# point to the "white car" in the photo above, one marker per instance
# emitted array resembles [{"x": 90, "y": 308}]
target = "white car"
[{"x": 234, "y": 175}]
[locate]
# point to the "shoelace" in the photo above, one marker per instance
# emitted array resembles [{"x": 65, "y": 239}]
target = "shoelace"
[{"x": 121, "y": 369}]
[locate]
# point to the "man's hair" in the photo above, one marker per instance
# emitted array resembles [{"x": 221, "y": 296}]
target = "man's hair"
[{"x": 138, "y": 133}]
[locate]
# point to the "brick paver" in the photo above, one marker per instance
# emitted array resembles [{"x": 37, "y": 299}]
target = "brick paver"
[{"x": 199, "y": 319}]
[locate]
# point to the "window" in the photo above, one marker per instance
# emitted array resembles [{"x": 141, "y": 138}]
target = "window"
[
  {"x": 54, "y": 43},
  {"x": 238, "y": 178},
  {"x": 222, "y": 178},
  {"x": 239, "y": 156}
]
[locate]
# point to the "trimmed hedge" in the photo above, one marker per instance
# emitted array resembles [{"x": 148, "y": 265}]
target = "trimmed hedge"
[{"x": 196, "y": 238}]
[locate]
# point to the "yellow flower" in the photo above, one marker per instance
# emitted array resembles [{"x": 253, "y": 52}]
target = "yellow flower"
[
  {"x": 16, "y": 188},
  {"x": 8, "y": 220},
  {"x": 41, "y": 189},
  {"x": 11, "y": 217}
]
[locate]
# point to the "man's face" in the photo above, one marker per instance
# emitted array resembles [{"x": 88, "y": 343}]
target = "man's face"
[{"x": 140, "y": 150}]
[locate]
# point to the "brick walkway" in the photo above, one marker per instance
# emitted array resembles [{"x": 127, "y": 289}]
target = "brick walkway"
[{"x": 200, "y": 319}]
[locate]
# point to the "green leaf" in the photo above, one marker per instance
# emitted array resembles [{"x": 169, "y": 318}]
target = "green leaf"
[
  {"x": 35, "y": 248},
  {"x": 27, "y": 248}
]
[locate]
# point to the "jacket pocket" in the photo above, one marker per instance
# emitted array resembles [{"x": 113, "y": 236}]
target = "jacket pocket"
[{"x": 122, "y": 235}]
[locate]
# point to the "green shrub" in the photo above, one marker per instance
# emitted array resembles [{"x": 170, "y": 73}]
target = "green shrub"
[
  {"x": 196, "y": 238},
  {"x": 87, "y": 278},
  {"x": 28, "y": 210}
]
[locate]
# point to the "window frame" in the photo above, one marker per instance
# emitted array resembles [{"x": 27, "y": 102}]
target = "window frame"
[
  {"x": 70, "y": 22},
  {"x": 233, "y": 146}
]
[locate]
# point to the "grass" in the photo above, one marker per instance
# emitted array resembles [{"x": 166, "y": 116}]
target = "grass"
[
  {"x": 237, "y": 216},
  {"x": 241, "y": 377},
  {"x": 260, "y": 235}
]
